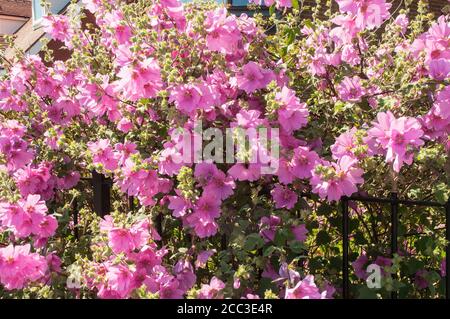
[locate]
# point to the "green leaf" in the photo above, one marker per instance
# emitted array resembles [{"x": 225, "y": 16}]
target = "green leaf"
[
  {"x": 295, "y": 4},
  {"x": 322, "y": 238},
  {"x": 366, "y": 293},
  {"x": 269, "y": 251},
  {"x": 297, "y": 246},
  {"x": 359, "y": 238},
  {"x": 425, "y": 245},
  {"x": 272, "y": 9},
  {"x": 253, "y": 241},
  {"x": 441, "y": 191},
  {"x": 280, "y": 237},
  {"x": 413, "y": 265}
]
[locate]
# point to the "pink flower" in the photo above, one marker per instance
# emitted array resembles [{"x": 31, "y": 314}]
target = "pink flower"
[
  {"x": 369, "y": 13},
  {"x": 37, "y": 180},
  {"x": 350, "y": 55},
  {"x": 19, "y": 267},
  {"x": 45, "y": 227},
  {"x": 15, "y": 151},
  {"x": 208, "y": 204},
  {"x": 120, "y": 280},
  {"x": 305, "y": 289},
  {"x": 439, "y": 69},
  {"x": 179, "y": 205},
  {"x": 203, "y": 224},
  {"x": 139, "y": 80},
  {"x": 103, "y": 154},
  {"x": 359, "y": 266},
  {"x": 213, "y": 290},
  {"x": 397, "y": 137},
  {"x": 402, "y": 21},
  {"x": 300, "y": 232},
  {"x": 203, "y": 257},
  {"x": 242, "y": 172},
  {"x": 333, "y": 180},
  {"x": 350, "y": 89},
  {"x": 121, "y": 240},
  {"x": 284, "y": 4},
  {"x": 223, "y": 32},
  {"x": 292, "y": 114},
  {"x": 58, "y": 26},
  {"x": 268, "y": 227},
  {"x": 253, "y": 77},
  {"x": 420, "y": 279},
  {"x": 351, "y": 143},
  {"x": 284, "y": 197},
  {"x": 303, "y": 162},
  {"x": 187, "y": 98},
  {"x": 248, "y": 118},
  {"x": 214, "y": 181},
  {"x": 28, "y": 217},
  {"x": 204, "y": 172},
  {"x": 185, "y": 274}
]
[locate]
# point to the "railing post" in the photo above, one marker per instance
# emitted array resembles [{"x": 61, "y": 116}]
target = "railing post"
[
  {"x": 131, "y": 203},
  {"x": 394, "y": 231},
  {"x": 447, "y": 250},
  {"x": 345, "y": 244},
  {"x": 75, "y": 217},
  {"x": 102, "y": 194}
]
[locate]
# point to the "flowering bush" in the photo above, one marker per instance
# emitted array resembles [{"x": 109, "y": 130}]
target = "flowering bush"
[{"x": 357, "y": 102}]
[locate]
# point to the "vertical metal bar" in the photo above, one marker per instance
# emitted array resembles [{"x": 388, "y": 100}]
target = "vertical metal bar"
[
  {"x": 394, "y": 231},
  {"x": 345, "y": 244},
  {"x": 131, "y": 203},
  {"x": 75, "y": 217},
  {"x": 159, "y": 227},
  {"x": 447, "y": 250},
  {"x": 102, "y": 194},
  {"x": 223, "y": 242}
]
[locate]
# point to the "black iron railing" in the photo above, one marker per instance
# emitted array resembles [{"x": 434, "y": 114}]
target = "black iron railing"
[
  {"x": 394, "y": 202},
  {"x": 102, "y": 206}
]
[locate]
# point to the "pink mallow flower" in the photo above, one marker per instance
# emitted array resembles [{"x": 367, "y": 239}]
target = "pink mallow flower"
[
  {"x": 360, "y": 265},
  {"x": 203, "y": 257},
  {"x": 19, "y": 267},
  {"x": 103, "y": 154},
  {"x": 59, "y": 28},
  {"x": 398, "y": 137},
  {"x": 300, "y": 232},
  {"x": 186, "y": 97},
  {"x": 305, "y": 289},
  {"x": 333, "y": 180},
  {"x": 268, "y": 227},
  {"x": 253, "y": 77},
  {"x": 292, "y": 114},
  {"x": 223, "y": 33},
  {"x": 368, "y": 13},
  {"x": 350, "y": 89},
  {"x": 139, "y": 80},
  {"x": 213, "y": 290},
  {"x": 15, "y": 152},
  {"x": 439, "y": 69},
  {"x": 284, "y": 197}
]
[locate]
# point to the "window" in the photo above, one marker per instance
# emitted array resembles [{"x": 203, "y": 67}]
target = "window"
[
  {"x": 56, "y": 6},
  {"x": 38, "y": 11},
  {"x": 237, "y": 3}
]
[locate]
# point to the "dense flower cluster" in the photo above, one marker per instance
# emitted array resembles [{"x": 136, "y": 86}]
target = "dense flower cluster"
[{"x": 342, "y": 108}]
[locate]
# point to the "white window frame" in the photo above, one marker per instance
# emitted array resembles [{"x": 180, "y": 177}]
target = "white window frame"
[{"x": 37, "y": 23}]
